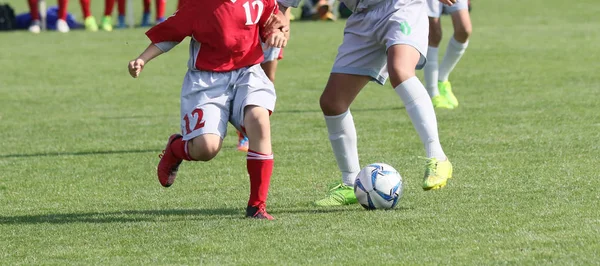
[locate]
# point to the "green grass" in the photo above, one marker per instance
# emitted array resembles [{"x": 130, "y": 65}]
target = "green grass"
[{"x": 79, "y": 141}]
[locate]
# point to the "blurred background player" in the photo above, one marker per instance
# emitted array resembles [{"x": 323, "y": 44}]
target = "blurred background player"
[
  {"x": 318, "y": 10},
  {"x": 381, "y": 38},
  {"x": 436, "y": 76},
  {"x": 61, "y": 23},
  {"x": 160, "y": 12},
  {"x": 244, "y": 95},
  {"x": 88, "y": 20},
  {"x": 107, "y": 23}
]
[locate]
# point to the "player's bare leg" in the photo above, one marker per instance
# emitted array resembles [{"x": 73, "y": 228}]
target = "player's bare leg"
[
  {"x": 259, "y": 159},
  {"x": 204, "y": 147},
  {"x": 455, "y": 50},
  {"x": 270, "y": 68},
  {"x": 461, "y": 21},
  {"x": 339, "y": 93},
  {"x": 402, "y": 60}
]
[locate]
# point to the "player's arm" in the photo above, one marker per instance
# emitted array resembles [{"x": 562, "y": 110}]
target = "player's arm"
[
  {"x": 137, "y": 65},
  {"x": 164, "y": 37},
  {"x": 271, "y": 26}
]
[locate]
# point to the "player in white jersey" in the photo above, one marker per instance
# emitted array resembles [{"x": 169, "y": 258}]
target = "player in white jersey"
[
  {"x": 382, "y": 38},
  {"x": 436, "y": 76}
]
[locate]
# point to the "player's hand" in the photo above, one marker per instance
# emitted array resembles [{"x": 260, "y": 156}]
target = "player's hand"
[
  {"x": 135, "y": 67},
  {"x": 277, "y": 39},
  {"x": 448, "y": 2},
  {"x": 278, "y": 22}
]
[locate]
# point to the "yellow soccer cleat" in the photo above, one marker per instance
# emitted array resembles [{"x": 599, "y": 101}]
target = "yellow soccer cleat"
[
  {"x": 106, "y": 23},
  {"x": 437, "y": 174},
  {"x": 446, "y": 90},
  {"x": 440, "y": 101},
  {"x": 338, "y": 195},
  {"x": 90, "y": 24}
]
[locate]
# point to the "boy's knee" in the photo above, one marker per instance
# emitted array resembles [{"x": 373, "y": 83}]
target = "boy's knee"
[
  {"x": 204, "y": 149},
  {"x": 256, "y": 115},
  {"x": 435, "y": 32},
  {"x": 400, "y": 73},
  {"x": 462, "y": 35},
  {"x": 330, "y": 106}
]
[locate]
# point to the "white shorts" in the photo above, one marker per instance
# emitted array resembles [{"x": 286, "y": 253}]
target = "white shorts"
[
  {"x": 211, "y": 99},
  {"x": 370, "y": 32},
  {"x": 435, "y": 8}
]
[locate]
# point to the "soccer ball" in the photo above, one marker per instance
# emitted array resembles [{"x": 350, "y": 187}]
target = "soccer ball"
[{"x": 378, "y": 186}]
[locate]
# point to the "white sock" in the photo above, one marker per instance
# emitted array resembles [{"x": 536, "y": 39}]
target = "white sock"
[
  {"x": 421, "y": 113},
  {"x": 453, "y": 54},
  {"x": 342, "y": 135},
  {"x": 431, "y": 72}
]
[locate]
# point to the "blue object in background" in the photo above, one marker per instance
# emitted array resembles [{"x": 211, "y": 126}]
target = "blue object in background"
[{"x": 24, "y": 20}]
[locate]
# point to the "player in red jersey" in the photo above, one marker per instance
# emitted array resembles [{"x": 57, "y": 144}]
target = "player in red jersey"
[
  {"x": 61, "y": 23},
  {"x": 160, "y": 12},
  {"x": 269, "y": 65},
  {"x": 106, "y": 23},
  {"x": 224, "y": 82}
]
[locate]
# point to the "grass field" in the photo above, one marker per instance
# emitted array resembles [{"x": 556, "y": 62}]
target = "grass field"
[{"x": 79, "y": 141}]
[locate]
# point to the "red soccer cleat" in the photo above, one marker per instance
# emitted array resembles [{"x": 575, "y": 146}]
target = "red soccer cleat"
[
  {"x": 169, "y": 164},
  {"x": 258, "y": 212}
]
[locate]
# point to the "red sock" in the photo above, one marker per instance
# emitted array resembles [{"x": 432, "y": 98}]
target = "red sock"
[
  {"x": 179, "y": 149},
  {"x": 108, "y": 7},
  {"x": 260, "y": 168},
  {"x": 62, "y": 9},
  {"x": 146, "y": 6},
  {"x": 34, "y": 10},
  {"x": 85, "y": 8},
  {"x": 160, "y": 8},
  {"x": 121, "y": 7}
]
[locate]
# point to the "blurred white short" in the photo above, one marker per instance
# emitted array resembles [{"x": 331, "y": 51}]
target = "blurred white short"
[
  {"x": 370, "y": 32},
  {"x": 436, "y": 8},
  {"x": 211, "y": 99}
]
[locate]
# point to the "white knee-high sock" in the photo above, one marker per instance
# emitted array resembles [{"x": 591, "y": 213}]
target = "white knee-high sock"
[
  {"x": 430, "y": 72},
  {"x": 342, "y": 135},
  {"x": 421, "y": 113},
  {"x": 453, "y": 54}
]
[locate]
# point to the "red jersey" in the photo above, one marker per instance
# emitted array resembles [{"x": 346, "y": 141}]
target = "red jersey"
[{"x": 227, "y": 31}]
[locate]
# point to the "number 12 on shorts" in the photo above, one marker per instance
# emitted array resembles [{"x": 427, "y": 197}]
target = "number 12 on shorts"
[{"x": 196, "y": 119}]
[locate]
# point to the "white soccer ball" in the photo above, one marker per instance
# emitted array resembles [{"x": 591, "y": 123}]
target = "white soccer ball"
[{"x": 378, "y": 186}]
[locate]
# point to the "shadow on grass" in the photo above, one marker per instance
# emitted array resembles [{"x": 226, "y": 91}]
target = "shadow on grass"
[
  {"x": 130, "y": 216},
  {"x": 77, "y": 153},
  {"x": 354, "y": 110},
  {"x": 119, "y": 216}
]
